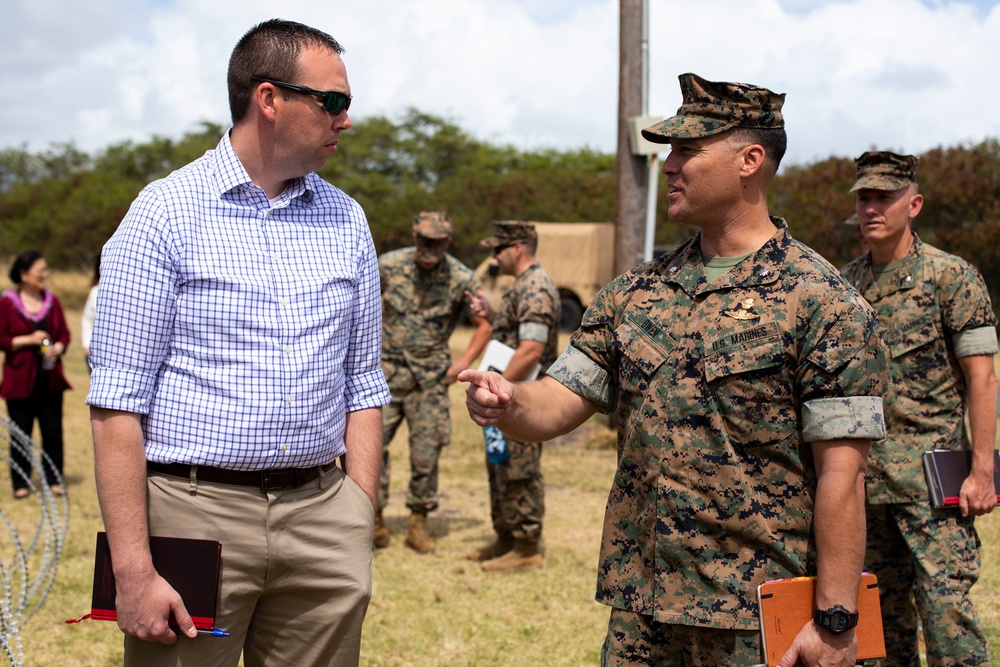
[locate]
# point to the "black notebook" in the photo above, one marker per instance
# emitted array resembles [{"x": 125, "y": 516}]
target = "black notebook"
[
  {"x": 945, "y": 471},
  {"x": 190, "y": 566}
]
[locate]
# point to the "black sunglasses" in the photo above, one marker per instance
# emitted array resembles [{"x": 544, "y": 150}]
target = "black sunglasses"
[
  {"x": 500, "y": 248},
  {"x": 333, "y": 101}
]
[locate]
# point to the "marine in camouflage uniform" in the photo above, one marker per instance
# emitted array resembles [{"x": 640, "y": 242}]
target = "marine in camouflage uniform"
[
  {"x": 423, "y": 296},
  {"x": 746, "y": 399},
  {"x": 719, "y": 371},
  {"x": 528, "y": 313},
  {"x": 935, "y": 316}
]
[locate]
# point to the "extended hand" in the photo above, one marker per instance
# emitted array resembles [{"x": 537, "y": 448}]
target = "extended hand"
[
  {"x": 479, "y": 305},
  {"x": 144, "y": 609},
  {"x": 488, "y": 396}
]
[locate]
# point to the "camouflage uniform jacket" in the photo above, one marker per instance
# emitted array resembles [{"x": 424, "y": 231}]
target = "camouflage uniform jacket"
[
  {"x": 420, "y": 310},
  {"x": 719, "y": 389},
  {"x": 932, "y": 310},
  {"x": 530, "y": 310}
]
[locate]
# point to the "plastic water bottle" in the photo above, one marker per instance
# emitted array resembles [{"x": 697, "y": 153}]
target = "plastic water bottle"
[
  {"x": 496, "y": 445},
  {"x": 47, "y": 364}
]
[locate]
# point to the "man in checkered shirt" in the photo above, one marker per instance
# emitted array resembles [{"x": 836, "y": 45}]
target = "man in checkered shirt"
[{"x": 236, "y": 360}]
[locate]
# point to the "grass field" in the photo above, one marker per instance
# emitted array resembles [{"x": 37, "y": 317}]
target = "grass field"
[{"x": 426, "y": 611}]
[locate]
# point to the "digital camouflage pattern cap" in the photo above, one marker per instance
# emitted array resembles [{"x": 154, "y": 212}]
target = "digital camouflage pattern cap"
[
  {"x": 882, "y": 170},
  {"x": 432, "y": 225},
  {"x": 712, "y": 107},
  {"x": 508, "y": 231}
]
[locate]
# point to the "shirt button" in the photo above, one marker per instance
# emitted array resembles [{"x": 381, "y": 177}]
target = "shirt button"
[
  {"x": 284, "y": 448},
  {"x": 288, "y": 350},
  {"x": 284, "y": 302},
  {"x": 288, "y": 399}
]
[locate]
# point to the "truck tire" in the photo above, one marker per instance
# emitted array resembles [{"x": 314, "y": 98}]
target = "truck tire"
[{"x": 571, "y": 315}]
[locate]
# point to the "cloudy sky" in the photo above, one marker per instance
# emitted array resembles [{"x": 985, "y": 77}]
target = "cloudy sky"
[{"x": 905, "y": 75}]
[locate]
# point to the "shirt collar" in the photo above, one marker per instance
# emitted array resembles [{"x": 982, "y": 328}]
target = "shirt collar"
[
  {"x": 902, "y": 274},
  {"x": 232, "y": 176},
  {"x": 687, "y": 268}
]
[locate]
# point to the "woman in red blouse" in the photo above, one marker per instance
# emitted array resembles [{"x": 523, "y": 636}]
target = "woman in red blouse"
[{"x": 33, "y": 335}]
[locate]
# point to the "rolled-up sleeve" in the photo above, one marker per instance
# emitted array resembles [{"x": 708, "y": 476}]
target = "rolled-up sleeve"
[
  {"x": 581, "y": 375},
  {"x": 975, "y": 342},
  {"x": 136, "y": 305},
  {"x": 857, "y": 417},
  {"x": 365, "y": 384}
]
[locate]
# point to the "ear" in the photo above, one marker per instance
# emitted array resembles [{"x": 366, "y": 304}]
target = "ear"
[
  {"x": 752, "y": 160},
  {"x": 264, "y": 98},
  {"x": 916, "y": 203}
]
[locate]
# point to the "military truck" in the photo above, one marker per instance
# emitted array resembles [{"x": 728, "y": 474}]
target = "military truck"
[{"x": 580, "y": 257}]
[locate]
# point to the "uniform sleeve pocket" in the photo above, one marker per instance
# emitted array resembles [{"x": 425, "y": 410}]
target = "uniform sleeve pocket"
[
  {"x": 753, "y": 391},
  {"x": 642, "y": 353}
]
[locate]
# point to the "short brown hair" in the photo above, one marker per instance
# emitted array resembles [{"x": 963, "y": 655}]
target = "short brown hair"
[{"x": 270, "y": 50}]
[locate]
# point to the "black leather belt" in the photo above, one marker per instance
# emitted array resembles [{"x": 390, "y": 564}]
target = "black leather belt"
[{"x": 265, "y": 480}]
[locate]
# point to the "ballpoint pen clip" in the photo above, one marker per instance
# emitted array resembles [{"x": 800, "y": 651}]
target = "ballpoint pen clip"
[{"x": 214, "y": 632}]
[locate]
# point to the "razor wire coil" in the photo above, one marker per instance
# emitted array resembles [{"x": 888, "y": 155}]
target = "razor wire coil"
[{"x": 30, "y": 558}]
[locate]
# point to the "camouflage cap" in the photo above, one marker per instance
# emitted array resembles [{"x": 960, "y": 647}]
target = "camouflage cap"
[
  {"x": 882, "y": 170},
  {"x": 432, "y": 225},
  {"x": 851, "y": 220},
  {"x": 508, "y": 231},
  {"x": 712, "y": 107}
]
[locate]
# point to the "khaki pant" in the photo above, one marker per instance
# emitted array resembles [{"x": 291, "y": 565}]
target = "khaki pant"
[{"x": 295, "y": 575}]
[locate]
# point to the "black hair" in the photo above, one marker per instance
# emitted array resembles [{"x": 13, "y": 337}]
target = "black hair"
[{"x": 23, "y": 263}]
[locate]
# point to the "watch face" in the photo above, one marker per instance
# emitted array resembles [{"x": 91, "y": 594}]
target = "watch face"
[{"x": 838, "y": 621}]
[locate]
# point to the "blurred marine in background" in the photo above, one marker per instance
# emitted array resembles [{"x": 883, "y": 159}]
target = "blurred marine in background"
[
  {"x": 526, "y": 320},
  {"x": 935, "y": 315},
  {"x": 423, "y": 297}
]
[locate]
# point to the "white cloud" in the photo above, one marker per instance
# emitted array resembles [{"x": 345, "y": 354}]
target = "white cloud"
[{"x": 903, "y": 74}]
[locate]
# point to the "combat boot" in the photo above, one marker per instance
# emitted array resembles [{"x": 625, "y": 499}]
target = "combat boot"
[
  {"x": 524, "y": 556},
  {"x": 416, "y": 536},
  {"x": 380, "y": 538},
  {"x": 503, "y": 543}
]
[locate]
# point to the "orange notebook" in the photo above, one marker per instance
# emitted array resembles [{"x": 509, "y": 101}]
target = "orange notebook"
[{"x": 786, "y": 605}]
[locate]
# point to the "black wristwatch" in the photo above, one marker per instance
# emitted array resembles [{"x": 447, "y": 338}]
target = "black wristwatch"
[{"x": 836, "y": 619}]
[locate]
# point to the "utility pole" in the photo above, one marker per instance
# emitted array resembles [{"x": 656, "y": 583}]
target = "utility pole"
[{"x": 632, "y": 187}]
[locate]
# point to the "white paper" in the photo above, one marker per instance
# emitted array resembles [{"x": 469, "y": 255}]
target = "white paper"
[{"x": 497, "y": 356}]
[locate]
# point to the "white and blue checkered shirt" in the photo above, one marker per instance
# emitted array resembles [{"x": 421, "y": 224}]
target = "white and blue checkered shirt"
[{"x": 242, "y": 329}]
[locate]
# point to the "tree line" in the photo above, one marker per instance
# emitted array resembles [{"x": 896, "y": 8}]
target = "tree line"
[{"x": 67, "y": 203}]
